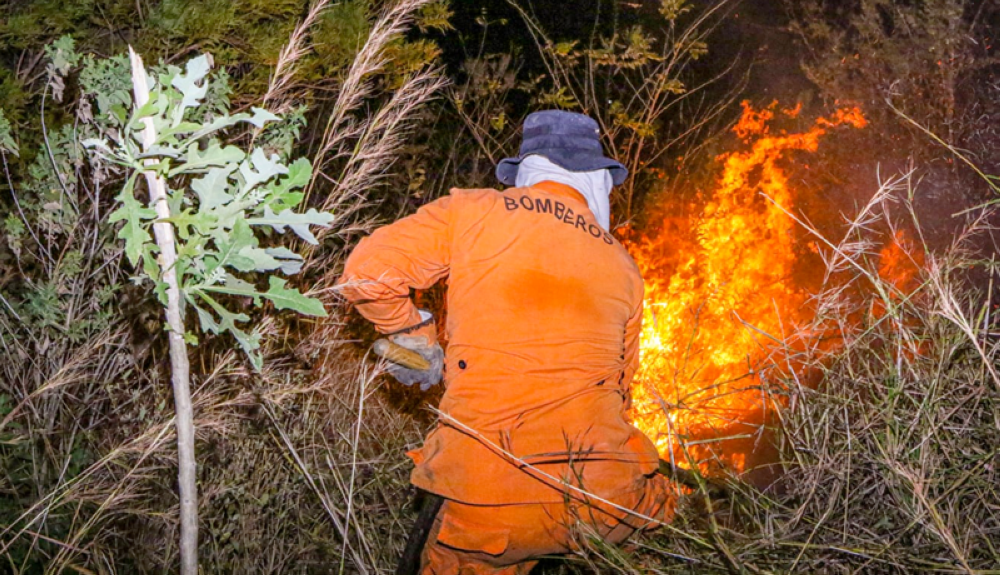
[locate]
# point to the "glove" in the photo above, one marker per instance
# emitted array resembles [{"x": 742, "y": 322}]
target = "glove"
[{"x": 425, "y": 343}]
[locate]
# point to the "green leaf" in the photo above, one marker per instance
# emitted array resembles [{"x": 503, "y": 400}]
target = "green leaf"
[
  {"x": 299, "y": 223},
  {"x": 218, "y": 124},
  {"x": 277, "y": 293},
  {"x": 175, "y": 201},
  {"x": 558, "y": 99},
  {"x": 564, "y": 48},
  {"x": 135, "y": 215},
  {"x": 264, "y": 169},
  {"x": 435, "y": 15},
  {"x": 238, "y": 288},
  {"x": 230, "y": 250},
  {"x": 244, "y": 288},
  {"x": 62, "y": 54},
  {"x": 7, "y": 143},
  {"x": 260, "y": 260},
  {"x": 211, "y": 188},
  {"x": 281, "y": 196},
  {"x": 672, "y": 9},
  {"x": 160, "y": 289},
  {"x": 291, "y": 262},
  {"x": 284, "y": 298},
  {"x": 249, "y": 342},
  {"x": 205, "y": 319},
  {"x": 149, "y": 109},
  {"x": 159, "y": 151},
  {"x": 256, "y": 359},
  {"x": 119, "y": 112},
  {"x": 261, "y": 117},
  {"x": 224, "y": 217},
  {"x": 299, "y": 174},
  {"x": 181, "y": 128},
  {"x": 187, "y": 84},
  {"x": 149, "y": 263},
  {"x": 198, "y": 161},
  {"x": 228, "y": 319}
]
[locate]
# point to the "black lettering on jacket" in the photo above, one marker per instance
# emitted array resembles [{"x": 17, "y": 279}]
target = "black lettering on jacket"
[
  {"x": 562, "y": 213},
  {"x": 568, "y": 218}
]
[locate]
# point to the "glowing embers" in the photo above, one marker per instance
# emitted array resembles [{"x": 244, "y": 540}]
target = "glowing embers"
[{"x": 719, "y": 297}]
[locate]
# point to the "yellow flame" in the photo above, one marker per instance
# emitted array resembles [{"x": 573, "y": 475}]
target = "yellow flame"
[{"x": 718, "y": 290}]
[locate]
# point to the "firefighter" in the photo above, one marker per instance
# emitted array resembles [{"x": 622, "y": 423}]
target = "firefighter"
[{"x": 544, "y": 313}]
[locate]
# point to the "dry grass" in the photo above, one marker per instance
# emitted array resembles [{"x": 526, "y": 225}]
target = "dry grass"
[
  {"x": 281, "y": 88},
  {"x": 296, "y": 472},
  {"x": 363, "y": 146}
]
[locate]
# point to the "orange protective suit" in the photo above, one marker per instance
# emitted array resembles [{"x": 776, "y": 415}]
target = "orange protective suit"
[{"x": 544, "y": 314}]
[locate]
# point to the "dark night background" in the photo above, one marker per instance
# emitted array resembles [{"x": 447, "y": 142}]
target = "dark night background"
[{"x": 755, "y": 32}]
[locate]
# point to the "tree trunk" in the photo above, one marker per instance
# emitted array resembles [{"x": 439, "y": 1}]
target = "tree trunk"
[{"x": 179, "y": 367}]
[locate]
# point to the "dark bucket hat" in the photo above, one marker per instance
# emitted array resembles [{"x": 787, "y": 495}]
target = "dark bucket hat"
[{"x": 567, "y": 139}]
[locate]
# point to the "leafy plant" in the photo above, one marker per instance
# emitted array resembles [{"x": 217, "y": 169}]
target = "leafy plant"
[
  {"x": 85, "y": 372},
  {"x": 7, "y": 143},
  {"x": 59, "y": 297},
  {"x": 228, "y": 193},
  {"x": 204, "y": 196}
]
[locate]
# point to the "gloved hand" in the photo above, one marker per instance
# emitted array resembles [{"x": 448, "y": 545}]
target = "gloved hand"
[{"x": 421, "y": 338}]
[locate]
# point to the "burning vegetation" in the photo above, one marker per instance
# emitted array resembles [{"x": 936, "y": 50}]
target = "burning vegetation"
[{"x": 724, "y": 299}]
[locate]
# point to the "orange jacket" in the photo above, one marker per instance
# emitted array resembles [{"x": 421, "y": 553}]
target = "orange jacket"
[{"x": 544, "y": 314}]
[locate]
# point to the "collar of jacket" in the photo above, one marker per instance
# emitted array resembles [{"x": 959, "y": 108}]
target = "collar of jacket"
[{"x": 560, "y": 190}]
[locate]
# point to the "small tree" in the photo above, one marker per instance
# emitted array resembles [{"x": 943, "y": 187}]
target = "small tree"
[{"x": 204, "y": 199}]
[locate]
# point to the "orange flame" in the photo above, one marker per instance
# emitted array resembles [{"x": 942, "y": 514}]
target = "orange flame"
[
  {"x": 719, "y": 295},
  {"x": 899, "y": 263}
]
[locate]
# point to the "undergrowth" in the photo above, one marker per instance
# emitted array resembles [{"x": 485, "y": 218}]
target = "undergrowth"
[{"x": 87, "y": 448}]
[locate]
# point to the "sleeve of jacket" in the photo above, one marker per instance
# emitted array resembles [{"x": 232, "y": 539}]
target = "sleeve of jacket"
[{"x": 414, "y": 252}]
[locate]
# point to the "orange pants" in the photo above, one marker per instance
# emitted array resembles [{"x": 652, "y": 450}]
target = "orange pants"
[{"x": 508, "y": 539}]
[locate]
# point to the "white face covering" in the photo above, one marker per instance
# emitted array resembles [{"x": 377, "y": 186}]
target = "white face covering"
[{"x": 595, "y": 186}]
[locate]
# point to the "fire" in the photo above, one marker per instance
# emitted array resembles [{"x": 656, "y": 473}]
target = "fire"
[
  {"x": 899, "y": 263},
  {"x": 719, "y": 295}
]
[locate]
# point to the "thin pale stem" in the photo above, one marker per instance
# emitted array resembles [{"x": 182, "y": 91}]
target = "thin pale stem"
[{"x": 179, "y": 367}]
